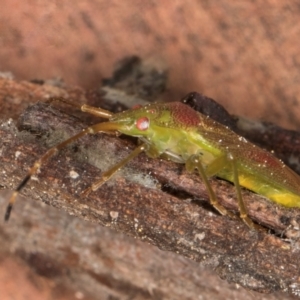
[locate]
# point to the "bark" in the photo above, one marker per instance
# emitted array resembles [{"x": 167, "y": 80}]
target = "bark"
[{"x": 152, "y": 200}]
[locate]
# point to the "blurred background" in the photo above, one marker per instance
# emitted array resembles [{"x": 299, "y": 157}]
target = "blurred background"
[{"x": 244, "y": 54}]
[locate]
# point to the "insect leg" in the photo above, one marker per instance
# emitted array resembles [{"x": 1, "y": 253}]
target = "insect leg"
[
  {"x": 195, "y": 162},
  {"x": 242, "y": 207},
  {"x": 106, "y": 126},
  {"x": 110, "y": 172}
]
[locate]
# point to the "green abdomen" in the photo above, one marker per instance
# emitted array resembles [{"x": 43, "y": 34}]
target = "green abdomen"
[{"x": 265, "y": 188}]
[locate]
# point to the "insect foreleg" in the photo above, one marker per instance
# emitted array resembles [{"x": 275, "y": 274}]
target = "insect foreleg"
[
  {"x": 193, "y": 163},
  {"x": 106, "y": 126},
  {"x": 109, "y": 173}
]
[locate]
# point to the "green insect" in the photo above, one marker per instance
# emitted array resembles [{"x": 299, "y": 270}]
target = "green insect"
[{"x": 180, "y": 134}]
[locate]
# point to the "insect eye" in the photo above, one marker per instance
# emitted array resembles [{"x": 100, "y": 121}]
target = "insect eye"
[{"x": 142, "y": 123}]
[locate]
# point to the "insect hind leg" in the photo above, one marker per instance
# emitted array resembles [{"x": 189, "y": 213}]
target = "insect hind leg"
[
  {"x": 212, "y": 169},
  {"x": 242, "y": 207}
]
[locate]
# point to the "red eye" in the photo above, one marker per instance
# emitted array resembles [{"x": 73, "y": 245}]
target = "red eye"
[{"x": 142, "y": 123}]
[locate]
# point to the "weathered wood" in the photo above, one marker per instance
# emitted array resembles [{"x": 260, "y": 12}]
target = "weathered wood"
[
  {"x": 160, "y": 217},
  {"x": 149, "y": 200}
]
